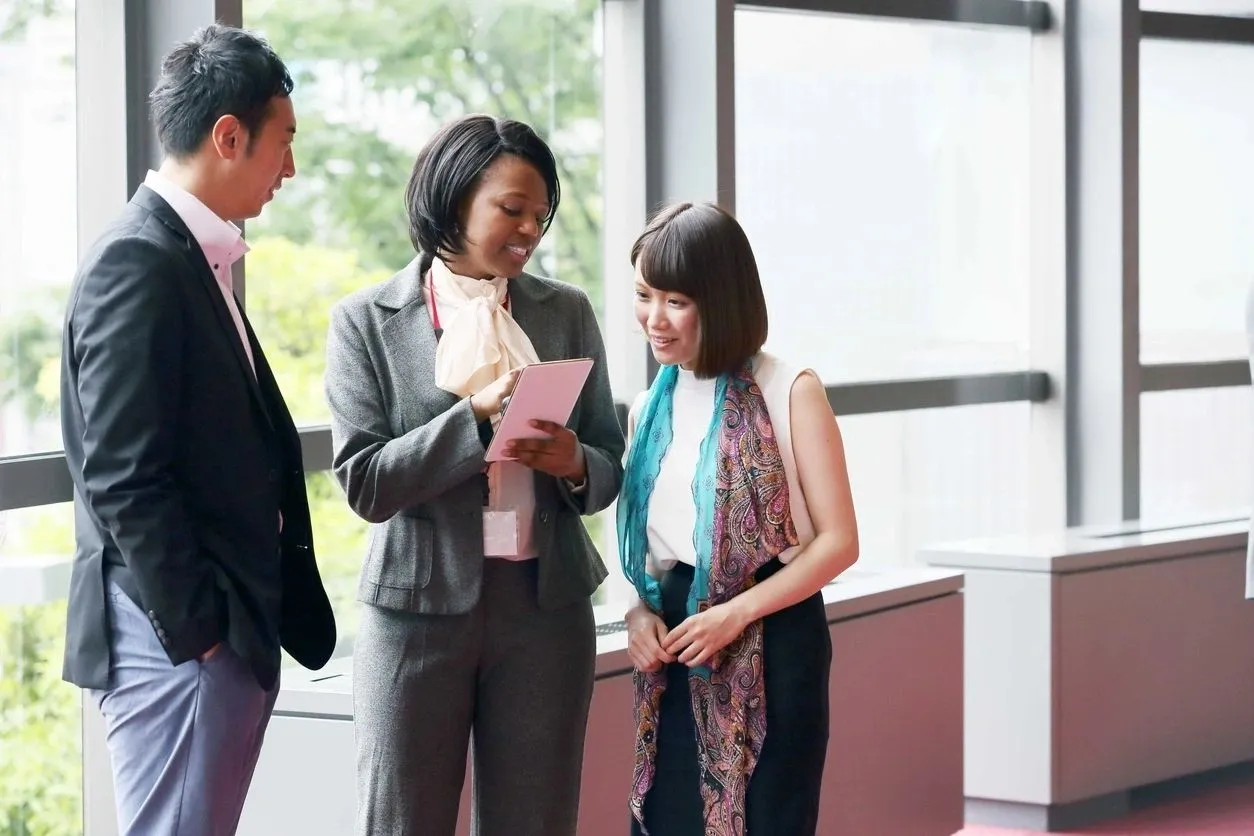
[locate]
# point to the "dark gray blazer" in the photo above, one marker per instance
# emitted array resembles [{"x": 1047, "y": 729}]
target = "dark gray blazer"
[
  {"x": 182, "y": 460},
  {"x": 410, "y": 456}
]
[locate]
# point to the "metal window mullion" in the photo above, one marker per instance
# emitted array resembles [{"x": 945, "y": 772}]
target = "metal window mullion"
[
  {"x": 889, "y": 396},
  {"x": 1102, "y": 40},
  {"x": 1034, "y": 15},
  {"x": 1200, "y": 28},
  {"x": 626, "y": 166},
  {"x": 1047, "y": 276},
  {"x": 690, "y": 95},
  {"x": 104, "y": 103},
  {"x": 1168, "y": 377},
  {"x": 690, "y": 119}
]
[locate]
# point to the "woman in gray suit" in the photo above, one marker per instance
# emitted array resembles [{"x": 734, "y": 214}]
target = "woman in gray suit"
[{"x": 477, "y": 581}]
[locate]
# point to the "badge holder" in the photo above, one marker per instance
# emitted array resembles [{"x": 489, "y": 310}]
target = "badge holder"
[{"x": 500, "y": 533}]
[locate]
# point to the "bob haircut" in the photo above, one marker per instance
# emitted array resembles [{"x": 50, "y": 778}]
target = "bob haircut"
[
  {"x": 700, "y": 251},
  {"x": 448, "y": 169}
]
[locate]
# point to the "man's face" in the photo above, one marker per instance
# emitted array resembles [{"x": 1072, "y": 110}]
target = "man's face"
[{"x": 266, "y": 162}]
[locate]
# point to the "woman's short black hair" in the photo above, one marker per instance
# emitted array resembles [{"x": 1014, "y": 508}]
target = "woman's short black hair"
[
  {"x": 449, "y": 167},
  {"x": 700, "y": 251},
  {"x": 219, "y": 71}
]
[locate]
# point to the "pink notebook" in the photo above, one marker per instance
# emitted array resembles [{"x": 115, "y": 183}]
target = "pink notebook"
[{"x": 544, "y": 392}]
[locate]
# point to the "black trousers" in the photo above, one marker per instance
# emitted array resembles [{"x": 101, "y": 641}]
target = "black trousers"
[{"x": 783, "y": 794}]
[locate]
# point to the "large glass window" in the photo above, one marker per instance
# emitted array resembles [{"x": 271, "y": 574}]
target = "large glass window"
[
  {"x": 38, "y": 232},
  {"x": 882, "y": 175},
  {"x": 1196, "y": 178},
  {"x": 373, "y": 82},
  {"x": 1196, "y": 447},
  {"x": 40, "y": 726}
]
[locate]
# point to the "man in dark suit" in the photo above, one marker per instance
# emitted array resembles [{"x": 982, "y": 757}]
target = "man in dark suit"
[{"x": 194, "y": 559}]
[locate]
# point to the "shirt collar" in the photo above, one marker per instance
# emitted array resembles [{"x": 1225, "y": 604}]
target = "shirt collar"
[{"x": 221, "y": 240}]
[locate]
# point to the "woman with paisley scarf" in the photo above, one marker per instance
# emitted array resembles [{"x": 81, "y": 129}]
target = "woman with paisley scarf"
[{"x": 735, "y": 512}]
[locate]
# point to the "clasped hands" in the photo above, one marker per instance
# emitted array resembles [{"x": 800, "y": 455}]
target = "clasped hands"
[
  {"x": 560, "y": 455},
  {"x": 694, "y": 642}
]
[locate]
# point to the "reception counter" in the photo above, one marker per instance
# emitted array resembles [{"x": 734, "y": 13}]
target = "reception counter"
[
  {"x": 895, "y": 752},
  {"x": 1100, "y": 663}
]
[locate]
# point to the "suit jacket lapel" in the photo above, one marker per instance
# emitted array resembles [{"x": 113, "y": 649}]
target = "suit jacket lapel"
[
  {"x": 410, "y": 344},
  {"x": 195, "y": 258},
  {"x": 263, "y": 375},
  {"x": 227, "y": 322}
]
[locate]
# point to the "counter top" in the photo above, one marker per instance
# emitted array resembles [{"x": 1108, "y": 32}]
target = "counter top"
[
  {"x": 859, "y": 592},
  {"x": 1091, "y": 547}
]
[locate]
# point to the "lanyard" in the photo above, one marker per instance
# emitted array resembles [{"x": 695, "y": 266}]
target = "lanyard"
[{"x": 435, "y": 311}]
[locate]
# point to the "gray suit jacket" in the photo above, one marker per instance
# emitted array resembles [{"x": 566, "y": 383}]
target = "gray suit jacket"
[{"x": 410, "y": 456}]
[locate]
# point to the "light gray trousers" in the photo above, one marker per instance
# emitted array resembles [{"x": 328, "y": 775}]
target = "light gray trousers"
[
  {"x": 517, "y": 676},
  {"x": 183, "y": 740}
]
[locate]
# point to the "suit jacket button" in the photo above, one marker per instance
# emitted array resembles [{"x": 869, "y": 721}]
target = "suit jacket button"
[
  {"x": 544, "y": 517},
  {"x": 161, "y": 634},
  {"x": 152, "y": 615}
]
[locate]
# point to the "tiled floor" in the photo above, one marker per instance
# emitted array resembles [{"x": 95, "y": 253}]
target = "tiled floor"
[{"x": 1227, "y": 810}]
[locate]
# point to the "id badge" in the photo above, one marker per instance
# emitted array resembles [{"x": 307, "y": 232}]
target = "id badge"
[{"x": 500, "y": 533}]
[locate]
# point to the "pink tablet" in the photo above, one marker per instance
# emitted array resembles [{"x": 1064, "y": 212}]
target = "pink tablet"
[{"x": 544, "y": 392}]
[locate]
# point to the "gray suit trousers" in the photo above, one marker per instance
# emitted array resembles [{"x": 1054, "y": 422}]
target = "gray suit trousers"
[{"x": 516, "y": 676}]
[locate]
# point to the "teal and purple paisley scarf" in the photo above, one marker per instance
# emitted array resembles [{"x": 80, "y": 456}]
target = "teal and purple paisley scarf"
[{"x": 743, "y": 522}]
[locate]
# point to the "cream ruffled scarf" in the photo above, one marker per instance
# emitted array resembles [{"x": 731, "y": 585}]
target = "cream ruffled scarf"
[{"x": 481, "y": 340}]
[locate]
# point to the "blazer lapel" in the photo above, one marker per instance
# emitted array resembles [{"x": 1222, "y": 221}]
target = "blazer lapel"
[
  {"x": 195, "y": 258},
  {"x": 263, "y": 370},
  {"x": 227, "y": 322},
  {"x": 409, "y": 342}
]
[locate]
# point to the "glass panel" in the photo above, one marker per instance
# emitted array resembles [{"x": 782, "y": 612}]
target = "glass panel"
[
  {"x": 373, "y": 81},
  {"x": 1196, "y": 449},
  {"x": 38, "y": 234},
  {"x": 40, "y": 721},
  {"x": 932, "y": 476},
  {"x": 882, "y": 175},
  {"x": 1196, "y": 216}
]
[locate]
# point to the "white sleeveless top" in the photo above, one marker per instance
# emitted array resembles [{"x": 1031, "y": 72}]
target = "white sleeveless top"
[{"x": 672, "y": 513}]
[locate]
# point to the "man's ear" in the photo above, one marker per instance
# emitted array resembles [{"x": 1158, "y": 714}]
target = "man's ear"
[{"x": 229, "y": 137}]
